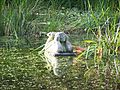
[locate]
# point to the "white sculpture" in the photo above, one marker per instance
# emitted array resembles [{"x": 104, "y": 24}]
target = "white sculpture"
[
  {"x": 53, "y": 44},
  {"x": 57, "y": 42}
]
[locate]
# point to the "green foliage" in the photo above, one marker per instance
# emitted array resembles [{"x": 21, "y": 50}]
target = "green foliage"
[
  {"x": 102, "y": 54},
  {"x": 27, "y": 19},
  {"x": 2, "y": 2}
]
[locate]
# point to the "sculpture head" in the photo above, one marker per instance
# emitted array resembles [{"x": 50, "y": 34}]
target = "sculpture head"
[
  {"x": 61, "y": 36},
  {"x": 57, "y": 37},
  {"x": 51, "y": 35}
]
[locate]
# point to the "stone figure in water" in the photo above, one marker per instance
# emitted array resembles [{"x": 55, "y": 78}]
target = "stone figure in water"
[
  {"x": 64, "y": 40},
  {"x": 57, "y": 42},
  {"x": 53, "y": 44}
]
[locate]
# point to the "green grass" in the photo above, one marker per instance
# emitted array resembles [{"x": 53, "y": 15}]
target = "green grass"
[{"x": 27, "y": 18}]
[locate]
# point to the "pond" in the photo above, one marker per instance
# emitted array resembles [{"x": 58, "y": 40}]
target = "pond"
[{"x": 24, "y": 69}]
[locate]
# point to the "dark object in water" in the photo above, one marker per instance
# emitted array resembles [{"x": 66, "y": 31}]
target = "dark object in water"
[{"x": 65, "y": 54}]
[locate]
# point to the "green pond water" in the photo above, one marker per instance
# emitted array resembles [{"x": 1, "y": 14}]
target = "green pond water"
[{"x": 24, "y": 69}]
